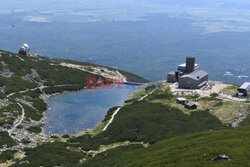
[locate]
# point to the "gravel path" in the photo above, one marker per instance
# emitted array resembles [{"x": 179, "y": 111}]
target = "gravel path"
[
  {"x": 146, "y": 96},
  {"x": 118, "y": 109},
  {"x": 112, "y": 118},
  {"x": 18, "y": 121}
]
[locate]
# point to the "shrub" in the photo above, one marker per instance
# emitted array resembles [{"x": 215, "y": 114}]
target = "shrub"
[
  {"x": 5, "y": 139},
  {"x": 35, "y": 129},
  {"x": 51, "y": 154},
  {"x": 6, "y": 155},
  {"x": 32, "y": 113},
  {"x": 20, "y": 126},
  {"x": 214, "y": 95},
  {"x": 40, "y": 105},
  {"x": 65, "y": 136}
]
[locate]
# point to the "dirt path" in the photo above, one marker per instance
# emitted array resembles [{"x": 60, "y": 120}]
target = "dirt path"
[
  {"x": 40, "y": 87},
  {"x": 118, "y": 109},
  {"x": 23, "y": 91},
  {"x": 18, "y": 120},
  {"x": 112, "y": 118},
  {"x": 105, "y": 72},
  {"x": 146, "y": 96},
  {"x": 121, "y": 76}
]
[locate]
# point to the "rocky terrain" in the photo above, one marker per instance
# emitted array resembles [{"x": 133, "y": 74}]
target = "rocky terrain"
[{"x": 26, "y": 82}]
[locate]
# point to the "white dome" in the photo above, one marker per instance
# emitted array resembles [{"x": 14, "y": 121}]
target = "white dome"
[{"x": 24, "y": 47}]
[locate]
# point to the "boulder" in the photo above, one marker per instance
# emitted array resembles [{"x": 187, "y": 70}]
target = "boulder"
[{"x": 221, "y": 157}]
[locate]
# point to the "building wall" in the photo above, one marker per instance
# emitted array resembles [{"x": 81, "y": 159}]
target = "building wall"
[
  {"x": 171, "y": 77},
  {"x": 190, "y": 63},
  {"x": 23, "y": 53},
  {"x": 189, "y": 83}
]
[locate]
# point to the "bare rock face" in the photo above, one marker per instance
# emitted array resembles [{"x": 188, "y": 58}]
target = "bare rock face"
[
  {"x": 6, "y": 73},
  {"x": 221, "y": 157},
  {"x": 32, "y": 77}
]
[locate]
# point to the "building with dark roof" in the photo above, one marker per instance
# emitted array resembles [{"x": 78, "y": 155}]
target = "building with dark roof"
[
  {"x": 188, "y": 75},
  {"x": 172, "y": 77},
  {"x": 181, "y": 100},
  {"x": 182, "y": 67},
  {"x": 193, "y": 80},
  {"x": 190, "y": 106}
]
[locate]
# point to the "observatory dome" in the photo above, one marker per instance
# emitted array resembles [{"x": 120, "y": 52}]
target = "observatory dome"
[{"x": 24, "y": 47}]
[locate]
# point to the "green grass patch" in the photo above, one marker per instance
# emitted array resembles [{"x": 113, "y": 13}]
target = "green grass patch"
[
  {"x": 227, "y": 111},
  {"x": 140, "y": 93},
  {"x": 246, "y": 121},
  {"x": 230, "y": 90}
]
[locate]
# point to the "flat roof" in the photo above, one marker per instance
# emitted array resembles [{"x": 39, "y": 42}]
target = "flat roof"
[
  {"x": 181, "y": 99},
  {"x": 184, "y": 65},
  {"x": 245, "y": 86},
  {"x": 190, "y": 104},
  {"x": 196, "y": 75}
]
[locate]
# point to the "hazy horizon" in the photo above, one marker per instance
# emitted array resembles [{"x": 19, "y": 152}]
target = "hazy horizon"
[{"x": 149, "y": 38}]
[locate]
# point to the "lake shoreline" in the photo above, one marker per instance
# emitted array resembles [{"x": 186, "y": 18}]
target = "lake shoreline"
[{"x": 46, "y": 97}]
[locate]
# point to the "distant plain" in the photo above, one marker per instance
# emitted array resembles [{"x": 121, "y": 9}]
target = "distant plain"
[{"x": 145, "y": 37}]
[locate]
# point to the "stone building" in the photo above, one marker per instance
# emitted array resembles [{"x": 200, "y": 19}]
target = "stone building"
[
  {"x": 188, "y": 75},
  {"x": 193, "y": 80}
]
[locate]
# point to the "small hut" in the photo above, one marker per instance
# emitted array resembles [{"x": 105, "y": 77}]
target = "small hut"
[
  {"x": 190, "y": 106},
  {"x": 181, "y": 100}
]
